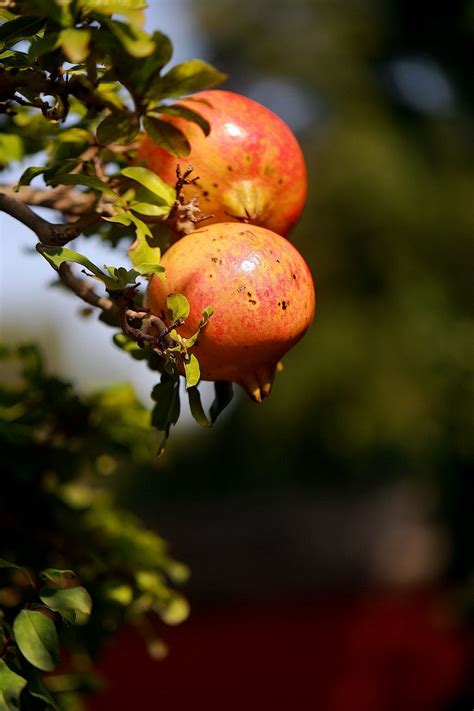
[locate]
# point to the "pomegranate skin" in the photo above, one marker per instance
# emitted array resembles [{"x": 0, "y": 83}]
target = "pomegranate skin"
[
  {"x": 260, "y": 289},
  {"x": 251, "y": 166}
]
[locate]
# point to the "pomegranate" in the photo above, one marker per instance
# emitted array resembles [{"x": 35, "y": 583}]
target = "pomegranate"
[
  {"x": 251, "y": 166},
  {"x": 260, "y": 289}
]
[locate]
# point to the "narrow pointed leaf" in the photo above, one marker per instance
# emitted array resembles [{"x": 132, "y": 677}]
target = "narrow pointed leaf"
[
  {"x": 185, "y": 113},
  {"x": 165, "y": 193},
  {"x": 197, "y": 410},
  {"x": 191, "y": 76},
  {"x": 167, "y": 136},
  {"x": 224, "y": 392},
  {"x": 121, "y": 126},
  {"x": 28, "y": 175},
  {"x": 192, "y": 371},
  {"x": 87, "y": 180}
]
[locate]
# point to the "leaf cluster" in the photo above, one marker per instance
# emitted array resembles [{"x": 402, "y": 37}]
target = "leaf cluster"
[
  {"x": 79, "y": 80},
  {"x": 62, "y": 450}
]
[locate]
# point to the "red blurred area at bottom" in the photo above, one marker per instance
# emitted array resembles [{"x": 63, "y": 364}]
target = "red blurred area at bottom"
[{"x": 378, "y": 653}]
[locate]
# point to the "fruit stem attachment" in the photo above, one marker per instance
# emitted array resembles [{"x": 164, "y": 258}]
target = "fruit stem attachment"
[{"x": 184, "y": 216}]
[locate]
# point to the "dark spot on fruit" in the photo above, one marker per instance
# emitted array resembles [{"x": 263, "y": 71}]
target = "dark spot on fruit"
[
  {"x": 220, "y": 260},
  {"x": 215, "y": 185},
  {"x": 206, "y": 193},
  {"x": 284, "y": 305},
  {"x": 210, "y": 276},
  {"x": 241, "y": 233},
  {"x": 279, "y": 303},
  {"x": 229, "y": 167},
  {"x": 252, "y": 301},
  {"x": 278, "y": 261},
  {"x": 214, "y": 239},
  {"x": 248, "y": 158},
  {"x": 214, "y": 259},
  {"x": 294, "y": 276},
  {"x": 280, "y": 181},
  {"x": 249, "y": 293}
]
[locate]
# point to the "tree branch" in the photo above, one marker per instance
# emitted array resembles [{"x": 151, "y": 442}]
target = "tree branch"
[
  {"x": 62, "y": 198},
  {"x": 32, "y": 80},
  {"x": 49, "y": 234},
  {"x": 86, "y": 292}
]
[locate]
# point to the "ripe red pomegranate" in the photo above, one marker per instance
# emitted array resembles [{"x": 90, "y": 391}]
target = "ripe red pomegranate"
[
  {"x": 251, "y": 166},
  {"x": 261, "y": 291}
]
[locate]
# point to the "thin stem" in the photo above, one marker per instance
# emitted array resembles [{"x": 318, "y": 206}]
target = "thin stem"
[{"x": 86, "y": 292}]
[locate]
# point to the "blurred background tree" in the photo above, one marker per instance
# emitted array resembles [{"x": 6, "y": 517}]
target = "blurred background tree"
[{"x": 380, "y": 95}]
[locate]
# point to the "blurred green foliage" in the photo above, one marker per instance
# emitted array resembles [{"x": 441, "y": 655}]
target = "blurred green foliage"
[
  {"x": 382, "y": 385},
  {"x": 59, "y": 454}
]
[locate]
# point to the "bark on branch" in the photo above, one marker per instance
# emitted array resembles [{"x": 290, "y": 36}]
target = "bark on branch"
[
  {"x": 86, "y": 292},
  {"x": 49, "y": 234},
  {"x": 62, "y": 198}
]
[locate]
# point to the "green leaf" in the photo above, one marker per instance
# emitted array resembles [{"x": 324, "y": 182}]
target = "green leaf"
[
  {"x": 146, "y": 208},
  {"x": 185, "y": 113},
  {"x": 7, "y": 564},
  {"x": 79, "y": 179},
  {"x": 189, "y": 77},
  {"x": 57, "y": 255},
  {"x": 58, "y": 577},
  {"x": 130, "y": 346},
  {"x": 11, "y": 686},
  {"x": 224, "y": 392},
  {"x": 121, "y": 126},
  {"x": 175, "y": 611},
  {"x": 136, "y": 42},
  {"x": 167, "y": 409},
  {"x": 167, "y": 136},
  {"x": 142, "y": 230},
  {"x": 45, "y": 45},
  {"x": 139, "y": 75},
  {"x": 122, "y": 218},
  {"x": 21, "y": 28},
  {"x": 149, "y": 268},
  {"x": 37, "y": 639},
  {"x": 197, "y": 410},
  {"x": 28, "y": 175},
  {"x": 109, "y": 7},
  {"x": 118, "y": 592},
  {"x": 178, "y": 307},
  {"x": 192, "y": 371},
  {"x": 74, "y": 600},
  {"x": 75, "y": 44},
  {"x": 164, "y": 192},
  {"x": 145, "y": 249},
  {"x": 74, "y": 135},
  {"x": 11, "y": 148},
  {"x": 206, "y": 315},
  {"x": 62, "y": 167}
]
